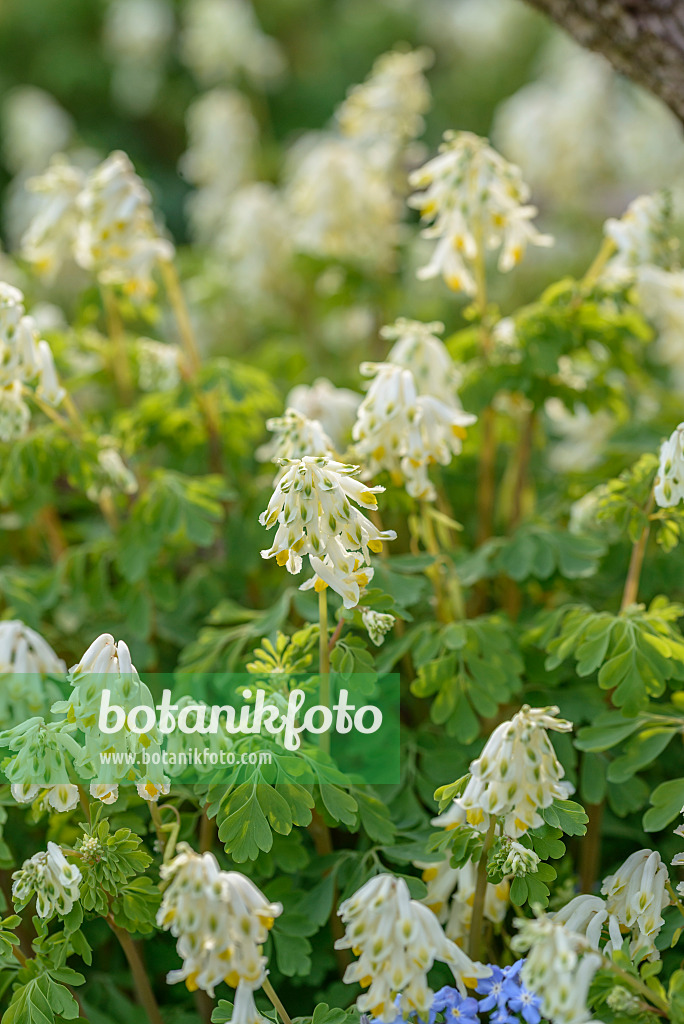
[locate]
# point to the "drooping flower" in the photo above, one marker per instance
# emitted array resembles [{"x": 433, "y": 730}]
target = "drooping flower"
[
  {"x": 222, "y": 39},
  {"x": 450, "y": 895},
  {"x": 642, "y": 235},
  {"x": 221, "y": 921},
  {"x": 517, "y": 774},
  {"x": 106, "y": 793},
  {"x": 23, "y": 651},
  {"x": 378, "y": 624},
  {"x": 418, "y": 349},
  {"x": 294, "y": 437},
  {"x": 669, "y": 487},
  {"x": 636, "y": 895},
  {"x": 582, "y": 436},
  {"x": 51, "y": 878},
  {"x": 312, "y": 507},
  {"x": 111, "y": 475},
  {"x": 660, "y": 293},
  {"x": 48, "y": 243},
  {"x": 159, "y": 365},
  {"x": 587, "y": 915},
  {"x": 560, "y": 967},
  {"x": 255, "y": 243},
  {"x": 117, "y": 238},
  {"x": 334, "y": 408},
  {"x": 397, "y": 940},
  {"x": 474, "y": 201},
  {"x": 520, "y": 860}
]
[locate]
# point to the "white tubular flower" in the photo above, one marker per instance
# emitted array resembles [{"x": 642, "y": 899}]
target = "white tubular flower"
[
  {"x": 636, "y": 895},
  {"x": 151, "y": 791},
  {"x": 639, "y": 236},
  {"x": 294, "y": 437},
  {"x": 15, "y": 414},
  {"x": 112, "y": 476},
  {"x": 256, "y": 241},
  {"x": 117, "y": 238},
  {"x": 473, "y": 200},
  {"x": 25, "y": 360},
  {"x": 517, "y": 774},
  {"x": 312, "y": 505},
  {"x": 49, "y": 240},
  {"x": 559, "y": 967},
  {"x": 158, "y": 365},
  {"x": 54, "y": 881},
  {"x": 520, "y": 860},
  {"x": 586, "y": 915},
  {"x": 669, "y": 487},
  {"x": 222, "y": 38},
  {"x": 105, "y": 656},
  {"x": 334, "y": 408},
  {"x": 106, "y": 793},
  {"x": 61, "y": 798},
  {"x": 342, "y": 208},
  {"x": 582, "y": 436},
  {"x": 221, "y": 921},
  {"x": 450, "y": 895},
  {"x": 24, "y": 651},
  {"x": 660, "y": 294},
  {"x": 397, "y": 940},
  {"x": 404, "y": 432},
  {"x": 418, "y": 349},
  {"x": 34, "y": 126},
  {"x": 378, "y": 624},
  {"x": 386, "y": 111}
]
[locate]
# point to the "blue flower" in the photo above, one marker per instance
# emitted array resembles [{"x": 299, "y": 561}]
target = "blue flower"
[
  {"x": 456, "y": 1008},
  {"x": 526, "y": 1003},
  {"x": 496, "y": 988}
]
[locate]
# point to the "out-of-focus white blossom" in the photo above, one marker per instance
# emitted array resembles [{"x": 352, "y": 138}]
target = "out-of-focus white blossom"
[
  {"x": 49, "y": 240},
  {"x": 587, "y": 915},
  {"x": 474, "y": 201},
  {"x": 222, "y": 39},
  {"x": 312, "y": 507},
  {"x": 450, "y": 896},
  {"x": 660, "y": 293},
  {"x": 158, "y": 365},
  {"x": 255, "y": 241},
  {"x": 15, "y": 414},
  {"x": 517, "y": 774},
  {"x": 294, "y": 437},
  {"x": 640, "y": 236},
  {"x": 112, "y": 476},
  {"x": 583, "y": 436},
  {"x": 669, "y": 487},
  {"x": 221, "y": 921},
  {"x": 51, "y": 878},
  {"x": 560, "y": 967},
  {"x": 23, "y": 651},
  {"x": 117, "y": 238},
  {"x": 378, "y": 624},
  {"x": 386, "y": 111},
  {"x": 476, "y": 30},
  {"x": 404, "y": 432},
  {"x": 636, "y": 895},
  {"x": 221, "y": 157},
  {"x": 418, "y": 349},
  {"x": 342, "y": 207},
  {"x": 334, "y": 408},
  {"x": 136, "y": 37},
  {"x": 397, "y": 940},
  {"x": 34, "y": 127}
]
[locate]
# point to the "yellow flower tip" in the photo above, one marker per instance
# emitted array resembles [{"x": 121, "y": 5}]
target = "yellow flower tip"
[
  {"x": 429, "y": 874},
  {"x": 522, "y": 825},
  {"x": 268, "y": 922},
  {"x": 375, "y": 546},
  {"x": 369, "y": 498},
  {"x": 378, "y": 1010},
  {"x": 356, "y": 951},
  {"x": 436, "y": 908},
  {"x": 379, "y": 452},
  {"x": 320, "y": 585},
  {"x": 397, "y": 478},
  {"x": 458, "y": 431},
  {"x": 516, "y": 254},
  {"x": 470, "y": 982},
  {"x": 144, "y": 740},
  {"x": 282, "y": 557},
  {"x": 71, "y": 715},
  {"x": 232, "y": 979},
  {"x": 365, "y": 982},
  {"x": 454, "y": 282},
  {"x": 475, "y": 816},
  {"x": 363, "y": 579},
  {"x": 191, "y": 982}
]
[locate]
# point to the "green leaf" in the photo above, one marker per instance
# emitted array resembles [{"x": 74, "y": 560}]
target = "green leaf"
[{"x": 667, "y": 801}]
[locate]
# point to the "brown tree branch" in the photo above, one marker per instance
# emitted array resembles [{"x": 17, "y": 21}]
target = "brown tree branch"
[{"x": 642, "y": 39}]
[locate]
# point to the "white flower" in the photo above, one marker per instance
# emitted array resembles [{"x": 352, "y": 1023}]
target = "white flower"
[
  {"x": 151, "y": 791},
  {"x": 23, "y": 651},
  {"x": 106, "y": 793},
  {"x": 15, "y": 414},
  {"x": 138, "y": 30},
  {"x": 117, "y": 238},
  {"x": 450, "y": 895},
  {"x": 404, "y": 432},
  {"x": 660, "y": 294},
  {"x": 586, "y": 915},
  {"x": 334, "y": 408},
  {"x": 222, "y": 38},
  {"x": 34, "y": 127},
  {"x": 378, "y": 624},
  {"x": 255, "y": 240},
  {"x": 24, "y": 792},
  {"x": 54, "y": 881},
  {"x": 342, "y": 208},
  {"x": 112, "y": 475},
  {"x": 294, "y": 437},
  {"x": 221, "y": 157},
  {"x": 61, "y": 798},
  {"x": 158, "y": 365},
  {"x": 583, "y": 436},
  {"x": 221, "y": 921},
  {"x": 473, "y": 201},
  {"x": 418, "y": 349},
  {"x": 517, "y": 774},
  {"x": 25, "y": 359},
  {"x": 636, "y": 894},
  {"x": 49, "y": 239},
  {"x": 386, "y": 111},
  {"x": 669, "y": 487},
  {"x": 520, "y": 860},
  {"x": 559, "y": 967},
  {"x": 312, "y": 507},
  {"x": 639, "y": 236},
  {"x": 397, "y": 940},
  {"x": 105, "y": 656}
]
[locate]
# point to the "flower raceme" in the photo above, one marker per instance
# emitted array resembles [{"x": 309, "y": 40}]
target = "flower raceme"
[
  {"x": 473, "y": 201},
  {"x": 397, "y": 940},
  {"x": 294, "y": 437},
  {"x": 221, "y": 921},
  {"x": 635, "y": 895},
  {"x": 517, "y": 774},
  {"x": 54, "y": 881},
  {"x": 669, "y": 487},
  {"x": 312, "y": 507}
]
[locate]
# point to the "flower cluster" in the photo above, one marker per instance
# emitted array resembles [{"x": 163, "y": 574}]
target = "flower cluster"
[
  {"x": 222, "y": 38},
  {"x": 51, "y": 878},
  {"x": 397, "y": 940},
  {"x": 221, "y": 921},
  {"x": 411, "y": 417},
  {"x": 25, "y": 659},
  {"x": 295, "y": 436},
  {"x": 312, "y": 505},
  {"x": 377, "y": 624},
  {"x": 25, "y": 360},
  {"x": 159, "y": 365},
  {"x": 636, "y": 895},
  {"x": 334, "y": 408},
  {"x": 669, "y": 487},
  {"x": 450, "y": 895},
  {"x": 474, "y": 202},
  {"x": 103, "y": 220},
  {"x": 517, "y": 774},
  {"x": 641, "y": 236}
]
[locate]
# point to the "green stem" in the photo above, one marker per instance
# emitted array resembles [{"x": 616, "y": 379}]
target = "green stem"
[
  {"x": 675, "y": 898},
  {"x": 638, "y": 985},
  {"x": 631, "y": 591},
  {"x": 141, "y": 982},
  {"x": 273, "y": 996},
  {"x": 324, "y": 662},
  {"x": 477, "y": 919}
]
